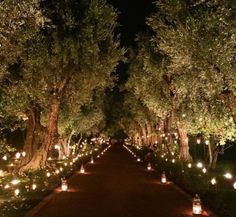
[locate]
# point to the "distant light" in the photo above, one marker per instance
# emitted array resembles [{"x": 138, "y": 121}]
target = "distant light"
[
  {"x": 207, "y": 142},
  {"x": 6, "y": 186},
  {"x": 234, "y": 185},
  {"x": 149, "y": 166},
  {"x": 23, "y": 154},
  {"x": 173, "y": 160},
  {"x": 18, "y": 154},
  {"x": 138, "y": 159},
  {"x": 189, "y": 165},
  {"x": 228, "y": 176},
  {"x": 4, "y": 157},
  {"x": 15, "y": 181},
  {"x": 199, "y": 165},
  {"x": 204, "y": 170},
  {"x": 34, "y": 186},
  {"x": 213, "y": 181},
  {"x": 17, "y": 192},
  {"x": 198, "y": 141},
  {"x": 48, "y": 174}
]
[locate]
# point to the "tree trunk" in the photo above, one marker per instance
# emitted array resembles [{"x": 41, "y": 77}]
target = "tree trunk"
[
  {"x": 144, "y": 135},
  {"x": 33, "y": 137},
  {"x": 183, "y": 146},
  {"x": 50, "y": 138}
]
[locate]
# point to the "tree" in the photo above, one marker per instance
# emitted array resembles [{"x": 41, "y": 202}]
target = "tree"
[
  {"x": 79, "y": 54},
  {"x": 20, "y": 21}
]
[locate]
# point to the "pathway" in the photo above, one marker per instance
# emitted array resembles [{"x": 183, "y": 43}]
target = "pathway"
[{"x": 117, "y": 186}]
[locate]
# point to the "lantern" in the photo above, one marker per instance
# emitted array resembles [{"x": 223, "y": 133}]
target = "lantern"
[
  {"x": 197, "y": 207},
  {"x": 149, "y": 166},
  {"x": 64, "y": 185},
  {"x": 82, "y": 170},
  {"x": 163, "y": 178}
]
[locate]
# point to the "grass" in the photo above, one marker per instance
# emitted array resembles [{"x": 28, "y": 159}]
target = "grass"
[{"x": 17, "y": 206}]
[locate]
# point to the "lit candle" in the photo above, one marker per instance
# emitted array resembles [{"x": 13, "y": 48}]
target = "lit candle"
[
  {"x": 82, "y": 170},
  {"x": 163, "y": 178},
  {"x": 197, "y": 207},
  {"x": 149, "y": 166},
  {"x": 64, "y": 185}
]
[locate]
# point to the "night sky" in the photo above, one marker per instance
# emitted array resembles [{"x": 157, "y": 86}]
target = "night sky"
[{"x": 132, "y": 15}]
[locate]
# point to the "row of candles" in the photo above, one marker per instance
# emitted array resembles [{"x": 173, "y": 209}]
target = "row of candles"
[
  {"x": 16, "y": 181},
  {"x": 64, "y": 183},
  {"x": 196, "y": 205}
]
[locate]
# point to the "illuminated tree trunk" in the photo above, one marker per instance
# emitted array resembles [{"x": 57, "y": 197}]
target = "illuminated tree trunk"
[
  {"x": 183, "y": 146},
  {"x": 33, "y": 138},
  {"x": 51, "y": 137},
  {"x": 144, "y": 135}
]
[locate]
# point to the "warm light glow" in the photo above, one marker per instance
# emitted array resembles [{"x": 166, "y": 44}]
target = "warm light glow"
[
  {"x": 48, "y": 174},
  {"x": 98, "y": 156},
  {"x": 163, "y": 178},
  {"x": 64, "y": 185},
  {"x": 197, "y": 207},
  {"x": 138, "y": 159},
  {"x": 199, "y": 165},
  {"x": 149, "y": 166},
  {"x": 82, "y": 170},
  {"x": 189, "y": 165},
  {"x": 91, "y": 161},
  {"x": 61, "y": 169},
  {"x": 23, "y": 154},
  {"x": 17, "y": 192},
  {"x": 207, "y": 142},
  {"x": 4, "y": 157},
  {"x": 213, "y": 181},
  {"x": 228, "y": 176},
  {"x": 6, "y": 186},
  {"x": 198, "y": 141},
  {"x": 173, "y": 161},
  {"x": 18, "y": 155},
  {"x": 234, "y": 185},
  {"x": 204, "y": 170},
  {"x": 15, "y": 181},
  {"x": 34, "y": 186}
]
